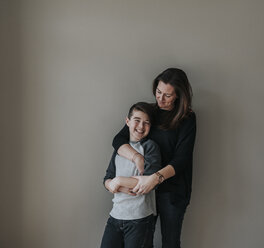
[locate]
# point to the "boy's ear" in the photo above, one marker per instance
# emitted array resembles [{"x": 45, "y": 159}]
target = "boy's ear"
[{"x": 127, "y": 121}]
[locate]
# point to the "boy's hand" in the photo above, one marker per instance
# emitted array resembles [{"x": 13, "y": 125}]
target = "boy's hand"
[
  {"x": 113, "y": 185},
  {"x": 139, "y": 162},
  {"x": 126, "y": 191}
]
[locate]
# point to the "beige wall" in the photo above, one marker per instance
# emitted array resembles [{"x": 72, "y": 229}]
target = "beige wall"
[{"x": 69, "y": 72}]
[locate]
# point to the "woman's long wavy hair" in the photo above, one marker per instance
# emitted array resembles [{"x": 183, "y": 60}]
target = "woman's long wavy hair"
[{"x": 177, "y": 78}]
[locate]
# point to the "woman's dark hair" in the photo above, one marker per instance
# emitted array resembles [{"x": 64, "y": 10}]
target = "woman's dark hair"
[
  {"x": 143, "y": 107},
  {"x": 177, "y": 78}
]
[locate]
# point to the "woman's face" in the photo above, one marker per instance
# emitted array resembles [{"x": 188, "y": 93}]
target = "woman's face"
[{"x": 165, "y": 96}]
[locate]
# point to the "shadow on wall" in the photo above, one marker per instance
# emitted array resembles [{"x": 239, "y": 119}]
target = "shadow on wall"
[{"x": 11, "y": 128}]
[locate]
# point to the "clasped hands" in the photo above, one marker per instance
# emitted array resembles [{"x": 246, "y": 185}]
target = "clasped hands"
[{"x": 142, "y": 185}]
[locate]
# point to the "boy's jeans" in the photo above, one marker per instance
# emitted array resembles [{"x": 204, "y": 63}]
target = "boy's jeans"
[{"x": 129, "y": 233}]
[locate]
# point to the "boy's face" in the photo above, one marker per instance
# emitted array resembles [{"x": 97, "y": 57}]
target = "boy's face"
[{"x": 139, "y": 125}]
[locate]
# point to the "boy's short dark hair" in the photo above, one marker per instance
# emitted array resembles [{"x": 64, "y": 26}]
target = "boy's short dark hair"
[{"x": 143, "y": 107}]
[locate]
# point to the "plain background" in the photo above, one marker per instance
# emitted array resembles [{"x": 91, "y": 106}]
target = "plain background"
[{"x": 69, "y": 72}]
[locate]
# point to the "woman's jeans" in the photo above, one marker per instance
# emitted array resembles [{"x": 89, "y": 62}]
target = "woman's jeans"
[
  {"x": 129, "y": 233},
  {"x": 171, "y": 211}
]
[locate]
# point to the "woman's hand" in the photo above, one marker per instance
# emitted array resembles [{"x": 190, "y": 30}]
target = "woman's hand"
[
  {"x": 145, "y": 184},
  {"x": 139, "y": 162}
]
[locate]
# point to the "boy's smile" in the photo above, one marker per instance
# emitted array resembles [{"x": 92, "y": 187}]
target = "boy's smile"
[{"x": 139, "y": 125}]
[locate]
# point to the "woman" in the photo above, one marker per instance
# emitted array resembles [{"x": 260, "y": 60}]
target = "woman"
[{"x": 174, "y": 131}]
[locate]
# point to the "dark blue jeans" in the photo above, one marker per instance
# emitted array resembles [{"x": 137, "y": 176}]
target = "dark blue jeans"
[
  {"x": 128, "y": 233},
  {"x": 171, "y": 210}
]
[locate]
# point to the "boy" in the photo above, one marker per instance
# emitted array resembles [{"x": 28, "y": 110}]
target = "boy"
[{"x": 131, "y": 222}]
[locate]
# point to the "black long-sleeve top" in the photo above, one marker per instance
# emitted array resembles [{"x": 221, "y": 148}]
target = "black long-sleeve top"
[{"x": 176, "y": 148}]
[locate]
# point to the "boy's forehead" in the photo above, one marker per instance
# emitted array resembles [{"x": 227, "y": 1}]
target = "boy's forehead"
[{"x": 139, "y": 114}]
